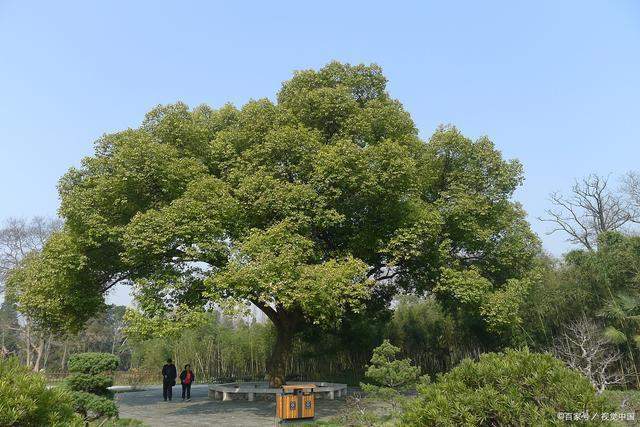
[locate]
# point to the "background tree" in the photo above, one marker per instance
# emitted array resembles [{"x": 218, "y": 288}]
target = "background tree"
[
  {"x": 105, "y": 333},
  {"x": 218, "y": 348},
  {"x": 305, "y": 208},
  {"x": 631, "y": 187},
  {"x": 585, "y": 348},
  {"x": 9, "y": 329},
  {"x": 20, "y": 237},
  {"x": 590, "y": 209},
  {"x": 429, "y": 336},
  {"x": 19, "y": 240}
]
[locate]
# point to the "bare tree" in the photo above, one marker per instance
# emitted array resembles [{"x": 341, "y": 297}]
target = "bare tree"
[
  {"x": 590, "y": 209},
  {"x": 631, "y": 187},
  {"x": 584, "y": 348},
  {"x": 19, "y": 237}
]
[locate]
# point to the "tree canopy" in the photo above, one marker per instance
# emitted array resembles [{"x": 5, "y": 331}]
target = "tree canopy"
[{"x": 307, "y": 206}]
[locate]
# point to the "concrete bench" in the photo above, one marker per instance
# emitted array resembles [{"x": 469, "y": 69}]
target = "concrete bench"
[{"x": 249, "y": 390}]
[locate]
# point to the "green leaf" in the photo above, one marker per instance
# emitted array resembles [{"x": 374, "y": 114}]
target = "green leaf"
[{"x": 614, "y": 335}]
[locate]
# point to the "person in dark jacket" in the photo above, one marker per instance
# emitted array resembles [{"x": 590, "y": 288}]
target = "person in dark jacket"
[
  {"x": 186, "y": 379},
  {"x": 169, "y": 374}
]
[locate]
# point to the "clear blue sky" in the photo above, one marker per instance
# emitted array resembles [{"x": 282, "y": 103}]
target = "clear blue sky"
[{"x": 555, "y": 84}]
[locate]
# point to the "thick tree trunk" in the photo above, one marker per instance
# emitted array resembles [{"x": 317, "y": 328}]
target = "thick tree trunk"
[
  {"x": 277, "y": 364},
  {"x": 287, "y": 323}
]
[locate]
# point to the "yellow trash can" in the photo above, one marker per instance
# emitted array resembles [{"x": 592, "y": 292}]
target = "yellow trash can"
[{"x": 296, "y": 402}]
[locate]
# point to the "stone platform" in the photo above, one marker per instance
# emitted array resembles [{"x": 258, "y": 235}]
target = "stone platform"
[{"x": 260, "y": 389}]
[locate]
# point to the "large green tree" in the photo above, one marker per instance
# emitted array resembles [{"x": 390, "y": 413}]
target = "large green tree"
[{"x": 306, "y": 207}]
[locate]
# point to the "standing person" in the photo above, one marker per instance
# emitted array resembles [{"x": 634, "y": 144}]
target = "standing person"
[
  {"x": 169, "y": 374},
  {"x": 187, "y": 378}
]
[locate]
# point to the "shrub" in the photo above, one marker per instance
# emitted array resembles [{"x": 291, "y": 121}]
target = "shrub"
[
  {"x": 92, "y": 406},
  {"x": 25, "y": 399},
  {"x": 90, "y": 384},
  {"x": 93, "y": 363},
  {"x": 96, "y": 384},
  {"x": 512, "y": 388},
  {"x": 135, "y": 378},
  {"x": 386, "y": 377}
]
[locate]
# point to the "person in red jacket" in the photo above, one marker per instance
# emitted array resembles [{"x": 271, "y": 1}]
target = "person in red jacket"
[{"x": 187, "y": 378}]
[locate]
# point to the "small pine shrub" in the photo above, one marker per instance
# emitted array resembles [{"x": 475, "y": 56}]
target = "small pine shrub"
[
  {"x": 387, "y": 377},
  {"x": 385, "y": 381},
  {"x": 89, "y": 381},
  {"x": 25, "y": 399},
  {"x": 97, "y": 384},
  {"x": 512, "y": 388},
  {"x": 92, "y": 406},
  {"x": 93, "y": 363}
]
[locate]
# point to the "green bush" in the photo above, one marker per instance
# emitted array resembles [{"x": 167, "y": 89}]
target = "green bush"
[
  {"x": 93, "y": 363},
  {"x": 96, "y": 384},
  {"x": 517, "y": 387},
  {"x": 25, "y": 399},
  {"x": 89, "y": 384},
  {"x": 386, "y": 377},
  {"x": 92, "y": 406}
]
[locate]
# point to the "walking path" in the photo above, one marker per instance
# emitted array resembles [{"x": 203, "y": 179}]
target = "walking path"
[{"x": 148, "y": 407}]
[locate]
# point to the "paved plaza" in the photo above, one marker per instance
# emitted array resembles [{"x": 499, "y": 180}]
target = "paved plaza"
[{"x": 149, "y": 407}]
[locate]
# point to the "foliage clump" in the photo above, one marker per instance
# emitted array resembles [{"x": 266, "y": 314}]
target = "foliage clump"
[
  {"x": 90, "y": 381},
  {"x": 25, "y": 399},
  {"x": 93, "y": 363},
  {"x": 517, "y": 387},
  {"x": 387, "y": 377},
  {"x": 386, "y": 380}
]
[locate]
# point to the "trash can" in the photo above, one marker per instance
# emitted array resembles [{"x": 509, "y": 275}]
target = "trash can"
[{"x": 296, "y": 402}]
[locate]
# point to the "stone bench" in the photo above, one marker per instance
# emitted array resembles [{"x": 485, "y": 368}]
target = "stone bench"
[{"x": 249, "y": 390}]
